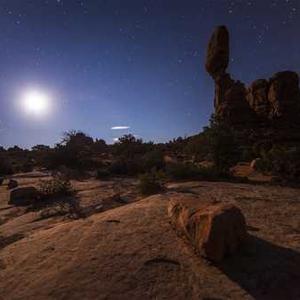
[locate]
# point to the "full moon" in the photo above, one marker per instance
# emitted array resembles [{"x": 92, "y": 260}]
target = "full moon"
[{"x": 36, "y": 102}]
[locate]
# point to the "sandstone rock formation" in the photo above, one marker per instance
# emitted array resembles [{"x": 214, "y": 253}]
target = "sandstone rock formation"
[
  {"x": 218, "y": 52},
  {"x": 271, "y": 107},
  {"x": 214, "y": 230},
  {"x": 230, "y": 95}
]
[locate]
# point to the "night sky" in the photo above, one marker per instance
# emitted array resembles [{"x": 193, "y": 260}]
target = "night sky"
[{"x": 131, "y": 63}]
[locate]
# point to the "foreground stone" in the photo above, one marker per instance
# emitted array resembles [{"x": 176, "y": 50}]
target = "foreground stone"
[
  {"x": 23, "y": 196},
  {"x": 214, "y": 230}
]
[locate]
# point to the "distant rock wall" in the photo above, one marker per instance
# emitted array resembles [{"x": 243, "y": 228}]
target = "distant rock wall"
[{"x": 268, "y": 107}]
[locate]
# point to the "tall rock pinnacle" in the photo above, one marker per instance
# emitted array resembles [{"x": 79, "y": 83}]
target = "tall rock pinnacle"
[{"x": 217, "y": 56}]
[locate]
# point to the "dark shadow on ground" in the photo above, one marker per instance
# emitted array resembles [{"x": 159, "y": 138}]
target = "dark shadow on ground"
[{"x": 265, "y": 270}]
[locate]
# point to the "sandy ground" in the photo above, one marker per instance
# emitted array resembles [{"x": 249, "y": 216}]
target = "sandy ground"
[{"x": 130, "y": 251}]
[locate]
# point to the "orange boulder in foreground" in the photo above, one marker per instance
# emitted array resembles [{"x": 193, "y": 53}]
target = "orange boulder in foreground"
[{"x": 215, "y": 230}]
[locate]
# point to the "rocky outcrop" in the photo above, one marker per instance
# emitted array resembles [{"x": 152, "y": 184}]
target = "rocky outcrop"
[
  {"x": 215, "y": 231},
  {"x": 270, "y": 108},
  {"x": 230, "y": 95},
  {"x": 284, "y": 95},
  {"x": 257, "y": 96}
]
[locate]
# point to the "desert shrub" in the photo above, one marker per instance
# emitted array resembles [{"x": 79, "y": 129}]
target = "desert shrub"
[
  {"x": 75, "y": 151},
  {"x": 55, "y": 188},
  {"x": 150, "y": 183},
  {"x": 281, "y": 162},
  {"x": 131, "y": 147},
  {"x": 118, "y": 167},
  {"x": 57, "y": 198},
  {"x": 6, "y": 167},
  {"x": 153, "y": 160},
  {"x": 217, "y": 143},
  {"x": 103, "y": 174},
  {"x": 247, "y": 154},
  {"x": 184, "y": 171},
  {"x": 126, "y": 166},
  {"x": 27, "y": 166},
  {"x": 70, "y": 173},
  {"x": 181, "y": 171}
]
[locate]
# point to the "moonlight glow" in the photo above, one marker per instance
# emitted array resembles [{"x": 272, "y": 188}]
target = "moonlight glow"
[{"x": 36, "y": 103}]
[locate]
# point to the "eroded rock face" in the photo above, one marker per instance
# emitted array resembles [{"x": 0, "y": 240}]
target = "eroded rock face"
[
  {"x": 231, "y": 103},
  {"x": 284, "y": 94},
  {"x": 267, "y": 107},
  {"x": 257, "y": 96},
  {"x": 23, "y": 196},
  {"x": 217, "y": 57},
  {"x": 215, "y": 231}
]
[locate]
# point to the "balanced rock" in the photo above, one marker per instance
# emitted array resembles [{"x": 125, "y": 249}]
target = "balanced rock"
[
  {"x": 217, "y": 57},
  {"x": 266, "y": 111},
  {"x": 215, "y": 230},
  {"x": 12, "y": 184},
  {"x": 23, "y": 196}
]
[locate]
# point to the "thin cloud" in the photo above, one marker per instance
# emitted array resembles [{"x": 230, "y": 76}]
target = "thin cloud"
[{"x": 120, "y": 127}]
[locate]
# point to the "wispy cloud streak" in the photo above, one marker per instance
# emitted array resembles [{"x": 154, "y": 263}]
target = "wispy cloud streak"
[{"x": 120, "y": 127}]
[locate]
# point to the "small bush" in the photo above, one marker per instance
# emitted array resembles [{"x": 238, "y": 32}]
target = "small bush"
[
  {"x": 27, "y": 167},
  {"x": 182, "y": 171},
  {"x": 57, "y": 198},
  {"x": 150, "y": 183},
  {"x": 103, "y": 174},
  {"x": 282, "y": 163},
  {"x": 153, "y": 160},
  {"x": 6, "y": 168},
  {"x": 55, "y": 188},
  {"x": 124, "y": 166}
]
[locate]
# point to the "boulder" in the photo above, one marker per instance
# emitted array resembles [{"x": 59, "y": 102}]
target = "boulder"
[
  {"x": 12, "y": 184},
  {"x": 23, "y": 196},
  {"x": 214, "y": 230},
  {"x": 217, "y": 56}
]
